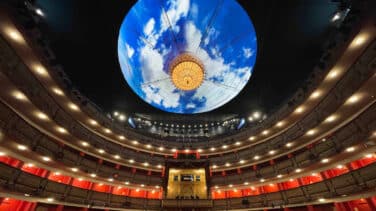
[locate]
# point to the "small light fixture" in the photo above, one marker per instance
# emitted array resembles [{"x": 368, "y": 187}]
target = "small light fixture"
[
  {"x": 15, "y": 35},
  {"x": 311, "y": 132},
  {"x": 122, "y": 117},
  {"x": 325, "y": 160},
  {"x": 19, "y": 95},
  {"x": 101, "y": 151},
  {"x": 271, "y": 152},
  {"x": 93, "y": 175},
  {"x": 131, "y": 161},
  {"x": 279, "y": 176},
  {"x": 252, "y": 138},
  {"x": 121, "y": 137},
  {"x": 256, "y": 157},
  {"x": 242, "y": 161},
  {"x": 58, "y": 91},
  {"x": 85, "y": 144},
  {"x": 161, "y": 148},
  {"x": 93, "y": 122},
  {"x": 50, "y": 199},
  {"x": 331, "y": 118},
  {"x": 265, "y": 132},
  {"x": 359, "y": 40},
  {"x": 22, "y": 147},
  {"x": 262, "y": 180},
  {"x": 350, "y": 149},
  {"x": 299, "y": 110},
  {"x": 146, "y": 164},
  {"x": 280, "y": 124},
  {"x": 369, "y": 155},
  {"x": 117, "y": 157},
  {"x": 353, "y": 99},
  {"x": 74, "y": 169},
  {"x": 39, "y": 12},
  {"x": 41, "y": 115},
  {"x": 212, "y": 149},
  {"x": 238, "y": 143},
  {"x": 46, "y": 159},
  {"x": 40, "y": 70},
  {"x": 315, "y": 94},
  {"x": 288, "y": 145},
  {"x": 61, "y": 130},
  {"x": 298, "y": 170}
]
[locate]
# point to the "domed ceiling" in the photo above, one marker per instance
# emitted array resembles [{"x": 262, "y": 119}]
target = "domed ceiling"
[
  {"x": 187, "y": 56},
  {"x": 84, "y": 37}
]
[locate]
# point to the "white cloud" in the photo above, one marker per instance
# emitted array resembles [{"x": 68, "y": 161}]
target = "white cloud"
[
  {"x": 190, "y": 106},
  {"x": 177, "y": 10},
  {"x": 234, "y": 79},
  {"x": 149, "y": 27},
  {"x": 248, "y": 52},
  {"x": 156, "y": 88},
  {"x": 130, "y": 50}
]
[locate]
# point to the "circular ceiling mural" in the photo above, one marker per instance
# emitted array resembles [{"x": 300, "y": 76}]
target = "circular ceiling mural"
[{"x": 187, "y": 56}]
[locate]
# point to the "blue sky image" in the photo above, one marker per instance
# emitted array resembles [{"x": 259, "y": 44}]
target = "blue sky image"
[{"x": 217, "y": 32}]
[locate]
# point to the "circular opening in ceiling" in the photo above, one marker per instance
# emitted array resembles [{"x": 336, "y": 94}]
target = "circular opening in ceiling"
[{"x": 187, "y": 56}]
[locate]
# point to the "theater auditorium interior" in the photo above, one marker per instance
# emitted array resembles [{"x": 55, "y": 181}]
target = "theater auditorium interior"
[{"x": 187, "y": 105}]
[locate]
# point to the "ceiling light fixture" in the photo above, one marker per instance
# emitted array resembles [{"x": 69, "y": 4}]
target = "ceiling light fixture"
[
  {"x": 350, "y": 149},
  {"x": 19, "y": 95},
  {"x": 325, "y": 160},
  {"x": 280, "y": 124},
  {"x": 93, "y": 122},
  {"x": 61, "y": 130},
  {"x": 14, "y": 35},
  {"x": 47, "y": 159},
  {"x": 58, "y": 91},
  {"x": 40, "y": 70},
  {"x": 41, "y": 115},
  {"x": 85, "y": 144},
  {"x": 299, "y": 110},
  {"x": 22, "y": 147}
]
